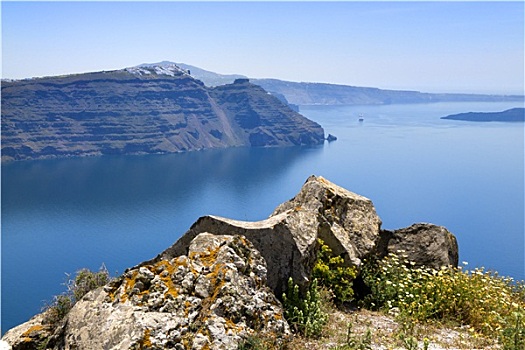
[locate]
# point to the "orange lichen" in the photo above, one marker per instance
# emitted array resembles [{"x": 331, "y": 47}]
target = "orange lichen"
[
  {"x": 209, "y": 257},
  {"x": 166, "y": 277},
  {"x": 187, "y": 306},
  {"x": 31, "y": 333},
  {"x": 146, "y": 340},
  {"x": 35, "y": 328},
  {"x": 230, "y": 325},
  {"x": 129, "y": 284}
]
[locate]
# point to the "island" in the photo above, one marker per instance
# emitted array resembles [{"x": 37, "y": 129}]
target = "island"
[{"x": 509, "y": 115}]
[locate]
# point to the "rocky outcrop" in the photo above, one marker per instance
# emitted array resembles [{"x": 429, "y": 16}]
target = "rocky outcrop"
[
  {"x": 425, "y": 244},
  {"x": 347, "y": 222},
  {"x": 211, "y": 298},
  {"x": 218, "y": 283},
  {"x": 142, "y": 110}
]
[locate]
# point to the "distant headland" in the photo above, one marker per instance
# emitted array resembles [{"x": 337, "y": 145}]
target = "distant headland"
[
  {"x": 509, "y": 115},
  {"x": 311, "y": 93},
  {"x": 143, "y": 110}
]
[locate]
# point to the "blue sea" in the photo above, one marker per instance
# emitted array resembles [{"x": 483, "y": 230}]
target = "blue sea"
[{"x": 62, "y": 215}]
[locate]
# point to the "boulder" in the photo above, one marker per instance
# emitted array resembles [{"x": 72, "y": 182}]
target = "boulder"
[
  {"x": 425, "y": 244},
  {"x": 345, "y": 221},
  {"x": 213, "y": 297},
  {"x": 287, "y": 240}
]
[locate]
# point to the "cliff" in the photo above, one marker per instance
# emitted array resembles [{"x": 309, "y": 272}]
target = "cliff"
[
  {"x": 510, "y": 115},
  {"x": 141, "y": 110},
  {"x": 218, "y": 284}
]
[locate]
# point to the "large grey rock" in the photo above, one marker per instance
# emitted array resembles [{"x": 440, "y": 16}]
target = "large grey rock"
[
  {"x": 213, "y": 297},
  {"x": 425, "y": 244},
  {"x": 347, "y": 222}
]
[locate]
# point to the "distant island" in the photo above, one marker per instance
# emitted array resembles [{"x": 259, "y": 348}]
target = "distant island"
[
  {"x": 311, "y": 93},
  {"x": 509, "y": 115},
  {"x": 143, "y": 110}
]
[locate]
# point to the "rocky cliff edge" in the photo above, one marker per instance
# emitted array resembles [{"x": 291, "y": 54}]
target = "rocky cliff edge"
[{"x": 218, "y": 283}]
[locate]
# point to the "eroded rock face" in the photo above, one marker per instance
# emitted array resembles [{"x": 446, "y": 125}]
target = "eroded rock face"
[
  {"x": 213, "y": 297},
  {"x": 425, "y": 244},
  {"x": 347, "y": 222}
]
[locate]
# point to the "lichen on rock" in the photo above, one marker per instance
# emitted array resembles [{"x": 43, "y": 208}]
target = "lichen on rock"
[
  {"x": 217, "y": 285},
  {"x": 214, "y": 297}
]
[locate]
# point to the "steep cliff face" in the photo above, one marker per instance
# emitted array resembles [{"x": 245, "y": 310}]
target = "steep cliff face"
[
  {"x": 259, "y": 116},
  {"x": 157, "y": 109}
]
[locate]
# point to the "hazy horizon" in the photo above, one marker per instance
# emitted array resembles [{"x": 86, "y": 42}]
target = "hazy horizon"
[{"x": 464, "y": 47}]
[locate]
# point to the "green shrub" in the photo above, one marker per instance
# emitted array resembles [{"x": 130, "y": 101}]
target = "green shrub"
[
  {"x": 331, "y": 273},
  {"x": 483, "y": 300},
  {"x": 355, "y": 342},
  {"x": 513, "y": 335},
  {"x": 58, "y": 309},
  {"x": 84, "y": 281},
  {"x": 304, "y": 314}
]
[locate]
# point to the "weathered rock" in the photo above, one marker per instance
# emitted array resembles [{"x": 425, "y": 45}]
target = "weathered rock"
[
  {"x": 211, "y": 298},
  {"x": 425, "y": 244},
  {"x": 218, "y": 283},
  {"x": 347, "y": 222},
  {"x": 287, "y": 240},
  {"x": 27, "y": 336}
]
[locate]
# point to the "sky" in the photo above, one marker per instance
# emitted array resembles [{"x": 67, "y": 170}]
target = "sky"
[{"x": 426, "y": 46}]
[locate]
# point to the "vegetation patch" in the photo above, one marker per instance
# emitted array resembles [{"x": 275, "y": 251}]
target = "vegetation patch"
[
  {"x": 83, "y": 282},
  {"x": 304, "y": 312},
  {"x": 331, "y": 273},
  {"x": 480, "y": 300}
]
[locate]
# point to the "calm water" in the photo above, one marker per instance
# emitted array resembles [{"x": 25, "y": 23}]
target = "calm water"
[{"x": 61, "y": 215}]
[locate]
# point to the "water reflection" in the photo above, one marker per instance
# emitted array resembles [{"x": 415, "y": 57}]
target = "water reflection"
[{"x": 110, "y": 181}]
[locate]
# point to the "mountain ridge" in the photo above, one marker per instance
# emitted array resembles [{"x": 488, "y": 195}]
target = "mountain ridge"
[{"x": 311, "y": 93}]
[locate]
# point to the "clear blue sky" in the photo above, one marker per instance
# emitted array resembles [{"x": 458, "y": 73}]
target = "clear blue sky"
[{"x": 426, "y": 46}]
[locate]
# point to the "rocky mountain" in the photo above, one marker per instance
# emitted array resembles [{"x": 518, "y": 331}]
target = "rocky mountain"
[
  {"x": 219, "y": 283},
  {"x": 510, "y": 115},
  {"x": 310, "y": 93},
  {"x": 141, "y": 110}
]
